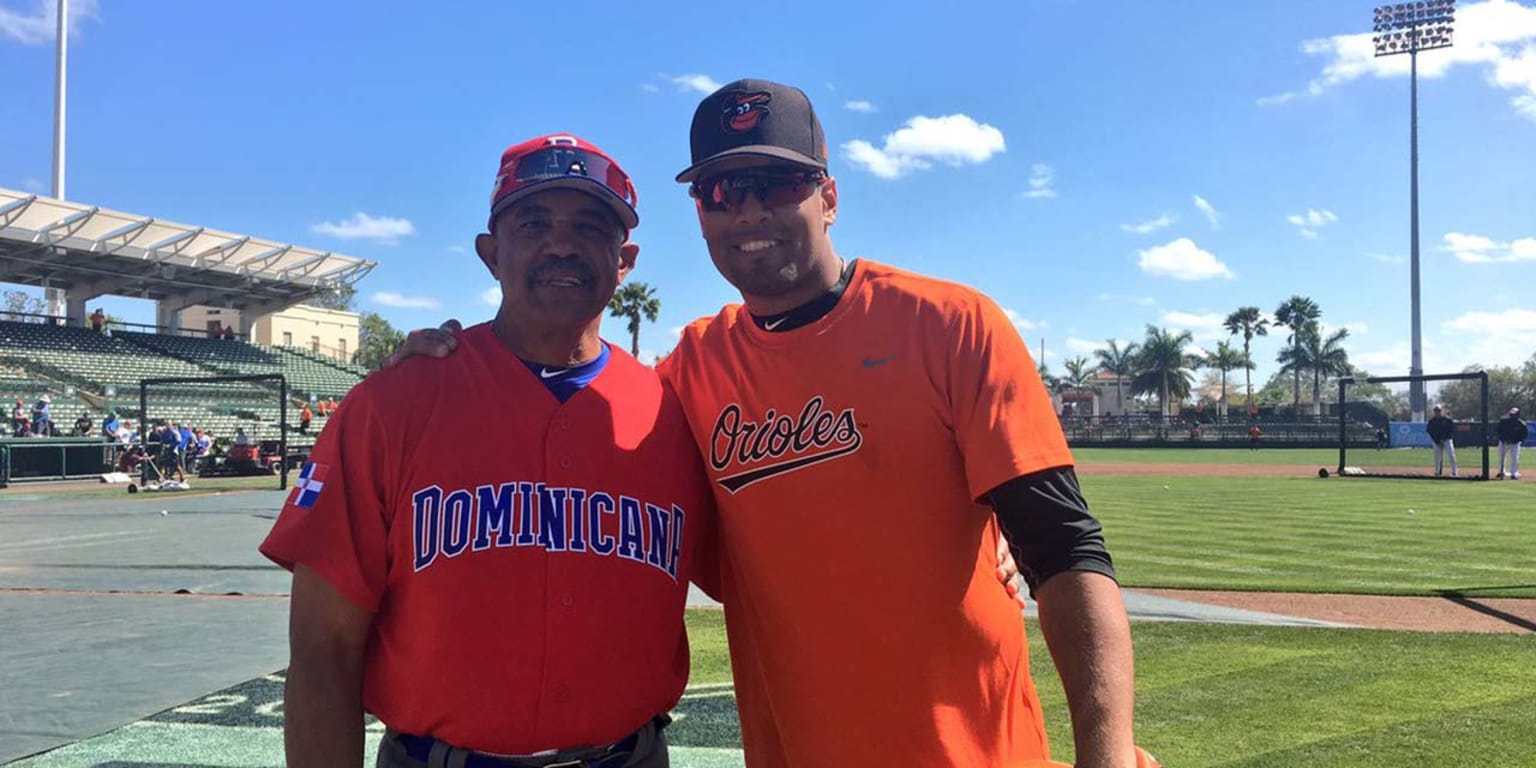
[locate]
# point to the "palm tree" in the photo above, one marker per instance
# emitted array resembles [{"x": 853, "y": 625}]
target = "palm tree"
[
  {"x": 1296, "y": 313},
  {"x": 1326, "y": 357},
  {"x": 1249, "y": 322},
  {"x": 1224, "y": 359},
  {"x": 1120, "y": 363},
  {"x": 635, "y": 301},
  {"x": 1162, "y": 366},
  {"x": 1079, "y": 371}
]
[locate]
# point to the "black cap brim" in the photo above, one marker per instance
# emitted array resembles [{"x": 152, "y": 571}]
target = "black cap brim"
[{"x": 756, "y": 150}]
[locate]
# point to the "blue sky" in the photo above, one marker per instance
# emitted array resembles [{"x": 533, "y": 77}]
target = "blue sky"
[{"x": 1093, "y": 166}]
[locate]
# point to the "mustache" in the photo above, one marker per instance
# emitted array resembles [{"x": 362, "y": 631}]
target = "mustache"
[{"x": 562, "y": 268}]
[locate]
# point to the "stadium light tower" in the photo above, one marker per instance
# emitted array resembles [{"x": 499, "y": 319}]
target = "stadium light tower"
[
  {"x": 58, "y": 101},
  {"x": 54, "y": 297},
  {"x": 1410, "y": 28}
]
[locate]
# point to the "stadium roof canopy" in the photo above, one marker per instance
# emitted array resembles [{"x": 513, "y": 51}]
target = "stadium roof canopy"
[{"x": 89, "y": 251}]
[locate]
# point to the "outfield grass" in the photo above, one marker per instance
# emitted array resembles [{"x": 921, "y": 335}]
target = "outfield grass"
[
  {"x": 1214, "y": 695},
  {"x": 1318, "y": 457},
  {"x": 707, "y": 648},
  {"x": 1299, "y": 534},
  {"x": 1259, "y": 697}
]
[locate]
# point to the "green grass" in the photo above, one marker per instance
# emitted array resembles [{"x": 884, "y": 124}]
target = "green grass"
[
  {"x": 1311, "y": 535},
  {"x": 1316, "y": 457},
  {"x": 706, "y": 647},
  {"x": 1258, "y": 697}
]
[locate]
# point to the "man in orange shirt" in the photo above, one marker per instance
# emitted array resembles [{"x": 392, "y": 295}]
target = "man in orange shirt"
[{"x": 854, "y": 417}]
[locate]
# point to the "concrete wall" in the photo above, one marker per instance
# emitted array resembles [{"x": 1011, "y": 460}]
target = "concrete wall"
[{"x": 329, "y": 332}]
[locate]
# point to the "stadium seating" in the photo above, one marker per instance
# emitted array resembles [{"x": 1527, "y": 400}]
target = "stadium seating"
[{"x": 38, "y": 358}]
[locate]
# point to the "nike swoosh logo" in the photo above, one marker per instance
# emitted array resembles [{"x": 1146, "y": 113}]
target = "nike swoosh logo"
[
  {"x": 550, "y": 374},
  {"x": 774, "y": 324},
  {"x": 871, "y": 363}
]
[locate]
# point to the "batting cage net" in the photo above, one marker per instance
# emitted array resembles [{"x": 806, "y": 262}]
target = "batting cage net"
[
  {"x": 1450, "y": 442},
  {"x": 216, "y": 426}
]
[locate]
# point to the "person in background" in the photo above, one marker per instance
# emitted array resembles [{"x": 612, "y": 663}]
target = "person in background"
[
  {"x": 1442, "y": 433},
  {"x": 84, "y": 424},
  {"x": 20, "y": 423},
  {"x": 1512, "y": 432},
  {"x": 42, "y": 421},
  {"x": 98, "y": 319}
]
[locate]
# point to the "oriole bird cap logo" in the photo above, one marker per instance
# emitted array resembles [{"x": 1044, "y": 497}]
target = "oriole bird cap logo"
[{"x": 741, "y": 111}]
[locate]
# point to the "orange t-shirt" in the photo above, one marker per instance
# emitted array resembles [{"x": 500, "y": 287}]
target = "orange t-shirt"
[{"x": 866, "y": 624}]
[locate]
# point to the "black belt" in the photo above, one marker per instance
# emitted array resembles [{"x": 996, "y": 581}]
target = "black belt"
[{"x": 421, "y": 747}]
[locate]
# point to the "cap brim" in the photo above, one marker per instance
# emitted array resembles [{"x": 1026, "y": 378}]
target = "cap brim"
[
  {"x": 626, "y": 214},
  {"x": 756, "y": 150}
]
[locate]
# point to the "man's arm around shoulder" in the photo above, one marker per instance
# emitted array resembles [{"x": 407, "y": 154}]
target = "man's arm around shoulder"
[{"x": 323, "y": 696}]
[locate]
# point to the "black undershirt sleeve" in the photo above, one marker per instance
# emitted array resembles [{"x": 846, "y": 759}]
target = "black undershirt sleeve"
[{"x": 1049, "y": 527}]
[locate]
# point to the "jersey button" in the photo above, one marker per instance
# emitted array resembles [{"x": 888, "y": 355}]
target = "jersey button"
[
  {"x": 563, "y": 423},
  {"x": 567, "y": 601},
  {"x": 566, "y": 463}
]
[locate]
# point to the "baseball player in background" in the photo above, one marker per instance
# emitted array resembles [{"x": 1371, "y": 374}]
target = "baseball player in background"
[
  {"x": 1441, "y": 432},
  {"x": 857, "y": 418},
  {"x": 1512, "y": 432},
  {"x": 515, "y": 602}
]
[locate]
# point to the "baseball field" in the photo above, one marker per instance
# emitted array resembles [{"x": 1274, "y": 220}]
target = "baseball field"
[{"x": 1447, "y": 565}]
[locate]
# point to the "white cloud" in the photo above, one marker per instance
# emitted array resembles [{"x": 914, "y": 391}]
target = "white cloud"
[
  {"x": 1477, "y": 249},
  {"x": 860, "y": 106},
  {"x": 650, "y": 87},
  {"x": 952, "y": 139},
  {"x": 40, "y": 25},
  {"x": 1493, "y": 338},
  {"x": 457, "y": 249},
  {"x": 1499, "y": 35},
  {"x": 1355, "y": 328},
  {"x": 1020, "y": 322},
  {"x": 1182, "y": 260},
  {"x": 676, "y": 331},
  {"x": 1145, "y": 301},
  {"x": 1202, "y": 326},
  {"x": 1194, "y": 321},
  {"x": 491, "y": 296},
  {"x": 1392, "y": 361},
  {"x": 34, "y": 185},
  {"x": 1387, "y": 258},
  {"x": 703, "y": 84},
  {"x": 1209, "y": 210},
  {"x": 389, "y": 299},
  {"x": 1084, "y": 347},
  {"x": 1041, "y": 177},
  {"x": 361, "y": 226},
  {"x": 1310, "y": 222},
  {"x": 1150, "y": 225}
]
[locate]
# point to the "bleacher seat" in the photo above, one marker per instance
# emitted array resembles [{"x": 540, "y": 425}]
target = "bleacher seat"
[{"x": 37, "y": 358}]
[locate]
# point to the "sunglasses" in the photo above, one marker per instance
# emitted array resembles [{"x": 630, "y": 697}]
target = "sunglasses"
[
  {"x": 772, "y": 188},
  {"x": 563, "y": 161}
]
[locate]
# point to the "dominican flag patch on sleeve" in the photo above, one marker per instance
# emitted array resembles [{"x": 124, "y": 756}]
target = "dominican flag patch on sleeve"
[{"x": 306, "y": 489}]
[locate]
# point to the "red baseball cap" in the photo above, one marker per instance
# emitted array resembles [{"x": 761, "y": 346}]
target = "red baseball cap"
[{"x": 563, "y": 161}]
